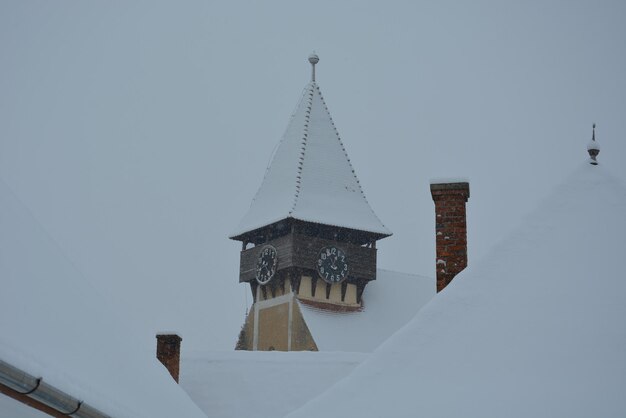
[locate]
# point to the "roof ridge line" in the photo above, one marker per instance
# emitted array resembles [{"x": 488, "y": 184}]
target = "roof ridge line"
[
  {"x": 332, "y": 122},
  {"x": 305, "y": 137}
]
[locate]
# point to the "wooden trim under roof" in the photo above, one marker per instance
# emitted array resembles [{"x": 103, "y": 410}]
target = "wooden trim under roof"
[{"x": 283, "y": 227}]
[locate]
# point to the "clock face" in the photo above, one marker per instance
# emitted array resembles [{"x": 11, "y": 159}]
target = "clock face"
[
  {"x": 266, "y": 264},
  {"x": 332, "y": 265}
]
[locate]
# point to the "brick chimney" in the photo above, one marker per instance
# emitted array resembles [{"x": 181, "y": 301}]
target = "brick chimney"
[
  {"x": 451, "y": 229},
  {"x": 168, "y": 352}
]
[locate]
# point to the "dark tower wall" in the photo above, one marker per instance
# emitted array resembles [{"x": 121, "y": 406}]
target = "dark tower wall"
[{"x": 451, "y": 230}]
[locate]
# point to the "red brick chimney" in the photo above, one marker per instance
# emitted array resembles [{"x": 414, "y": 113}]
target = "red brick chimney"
[
  {"x": 168, "y": 352},
  {"x": 451, "y": 227}
]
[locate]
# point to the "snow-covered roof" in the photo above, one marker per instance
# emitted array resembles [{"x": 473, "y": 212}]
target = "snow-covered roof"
[
  {"x": 536, "y": 329},
  {"x": 11, "y": 408},
  {"x": 272, "y": 384},
  {"x": 260, "y": 384},
  {"x": 389, "y": 302},
  {"x": 310, "y": 177},
  {"x": 54, "y": 325}
]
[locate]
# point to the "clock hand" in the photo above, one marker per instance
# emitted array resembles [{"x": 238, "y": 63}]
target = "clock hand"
[{"x": 333, "y": 264}]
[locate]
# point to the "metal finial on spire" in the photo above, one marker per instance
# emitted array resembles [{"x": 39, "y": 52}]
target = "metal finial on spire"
[
  {"x": 313, "y": 59},
  {"x": 593, "y": 135},
  {"x": 593, "y": 148}
]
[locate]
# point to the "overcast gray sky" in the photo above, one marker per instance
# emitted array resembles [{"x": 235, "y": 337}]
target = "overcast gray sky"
[{"x": 138, "y": 132}]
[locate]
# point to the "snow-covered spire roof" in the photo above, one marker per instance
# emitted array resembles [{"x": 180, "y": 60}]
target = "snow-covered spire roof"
[{"x": 310, "y": 177}]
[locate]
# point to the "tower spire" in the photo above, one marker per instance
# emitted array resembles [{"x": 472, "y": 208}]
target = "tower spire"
[
  {"x": 593, "y": 148},
  {"x": 313, "y": 59}
]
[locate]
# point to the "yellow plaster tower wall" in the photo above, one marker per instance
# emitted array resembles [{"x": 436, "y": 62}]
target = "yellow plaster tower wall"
[
  {"x": 305, "y": 287},
  {"x": 335, "y": 293},
  {"x": 350, "y": 294},
  {"x": 305, "y": 294},
  {"x": 273, "y": 328},
  {"x": 276, "y": 324}
]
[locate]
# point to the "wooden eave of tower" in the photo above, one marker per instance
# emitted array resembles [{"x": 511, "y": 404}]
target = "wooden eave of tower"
[{"x": 291, "y": 225}]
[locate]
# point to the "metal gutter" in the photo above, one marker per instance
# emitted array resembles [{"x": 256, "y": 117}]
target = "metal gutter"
[{"x": 39, "y": 391}]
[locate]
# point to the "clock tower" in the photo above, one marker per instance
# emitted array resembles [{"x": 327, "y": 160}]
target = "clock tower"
[{"x": 309, "y": 235}]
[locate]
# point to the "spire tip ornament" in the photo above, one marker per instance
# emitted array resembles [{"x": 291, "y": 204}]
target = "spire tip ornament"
[
  {"x": 593, "y": 148},
  {"x": 313, "y": 59}
]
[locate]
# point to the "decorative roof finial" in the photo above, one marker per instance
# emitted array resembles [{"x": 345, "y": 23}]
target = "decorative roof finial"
[
  {"x": 313, "y": 59},
  {"x": 593, "y": 148}
]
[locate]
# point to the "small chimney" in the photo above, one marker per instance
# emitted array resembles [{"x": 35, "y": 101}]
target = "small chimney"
[
  {"x": 451, "y": 229},
  {"x": 168, "y": 353}
]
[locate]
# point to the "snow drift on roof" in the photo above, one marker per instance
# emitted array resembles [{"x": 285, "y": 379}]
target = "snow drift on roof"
[
  {"x": 534, "y": 330},
  {"x": 12, "y": 408},
  {"x": 260, "y": 384},
  {"x": 55, "y": 326},
  {"x": 310, "y": 177},
  {"x": 389, "y": 302}
]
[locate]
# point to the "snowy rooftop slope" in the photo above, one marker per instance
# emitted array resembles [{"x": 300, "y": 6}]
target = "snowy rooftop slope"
[
  {"x": 54, "y": 326},
  {"x": 260, "y": 384},
  {"x": 10, "y": 408},
  {"x": 310, "y": 177},
  {"x": 389, "y": 302},
  {"x": 534, "y": 330}
]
